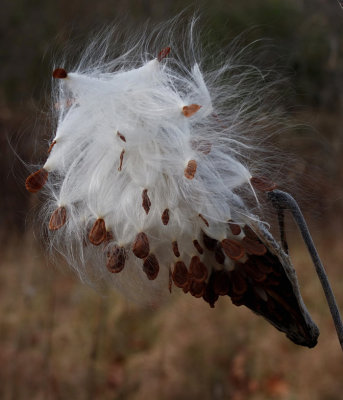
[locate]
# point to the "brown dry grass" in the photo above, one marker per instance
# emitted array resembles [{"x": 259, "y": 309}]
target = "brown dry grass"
[{"x": 61, "y": 340}]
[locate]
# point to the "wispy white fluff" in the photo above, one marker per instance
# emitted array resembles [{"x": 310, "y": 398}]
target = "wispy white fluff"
[{"x": 143, "y": 99}]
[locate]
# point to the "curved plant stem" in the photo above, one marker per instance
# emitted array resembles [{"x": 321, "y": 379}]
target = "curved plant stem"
[{"x": 284, "y": 201}]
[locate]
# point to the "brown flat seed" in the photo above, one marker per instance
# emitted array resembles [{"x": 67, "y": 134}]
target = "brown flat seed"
[
  {"x": 210, "y": 296},
  {"x": 175, "y": 249},
  {"x": 51, "y": 146},
  {"x": 221, "y": 283},
  {"x": 57, "y": 219},
  {"x": 198, "y": 246},
  {"x": 204, "y": 219},
  {"x": 253, "y": 247},
  {"x": 59, "y": 73},
  {"x": 141, "y": 246},
  {"x": 190, "y": 110},
  {"x": 185, "y": 287},
  {"x": 36, "y": 180},
  {"x": 262, "y": 183},
  {"x": 233, "y": 249},
  {"x": 109, "y": 237},
  {"x": 121, "y": 160},
  {"x": 197, "y": 269},
  {"x": 239, "y": 286},
  {"x": 253, "y": 272},
  {"x": 197, "y": 289},
  {"x": 209, "y": 242},
  {"x": 163, "y": 54},
  {"x": 190, "y": 170},
  {"x": 98, "y": 232},
  {"x": 219, "y": 255},
  {"x": 122, "y": 137},
  {"x": 180, "y": 274},
  {"x": 146, "y": 203},
  {"x": 250, "y": 233},
  {"x": 151, "y": 267},
  {"x": 235, "y": 229},
  {"x": 165, "y": 216},
  {"x": 170, "y": 283},
  {"x": 116, "y": 257}
]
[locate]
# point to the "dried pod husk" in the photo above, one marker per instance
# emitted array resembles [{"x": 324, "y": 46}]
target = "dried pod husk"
[
  {"x": 140, "y": 247},
  {"x": 36, "y": 180},
  {"x": 57, "y": 219},
  {"x": 98, "y": 232}
]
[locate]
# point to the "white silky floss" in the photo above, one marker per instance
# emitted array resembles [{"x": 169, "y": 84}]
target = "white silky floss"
[{"x": 147, "y": 164}]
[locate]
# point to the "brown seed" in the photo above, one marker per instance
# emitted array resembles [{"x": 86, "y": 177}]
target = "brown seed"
[
  {"x": 221, "y": 283},
  {"x": 146, "y": 203},
  {"x": 262, "y": 183},
  {"x": 121, "y": 160},
  {"x": 141, "y": 246},
  {"x": 98, "y": 232},
  {"x": 210, "y": 296},
  {"x": 165, "y": 217},
  {"x": 36, "y": 180},
  {"x": 250, "y": 233},
  {"x": 59, "y": 73},
  {"x": 197, "y": 246},
  {"x": 116, "y": 257},
  {"x": 122, "y": 137},
  {"x": 197, "y": 269},
  {"x": 197, "y": 289},
  {"x": 170, "y": 283},
  {"x": 175, "y": 249},
  {"x": 219, "y": 255},
  {"x": 163, "y": 54},
  {"x": 190, "y": 170},
  {"x": 239, "y": 285},
  {"x": 253, "y": 247},
  {"x": 180, "y": 274},
  {"x": 204, "y": 219},
  {"x": 253, "y": 272},
  {"x": 190, "y": 110},
  {"x": 186, "y": 286},
  {"x": 51, "y": 146},
  {"x": 235, "y": 229},
  {"x": 233, "y": 249},
  {"x": 151, "y": 267},
  {"x": 209, "y": 242},
  {"x": 57, "y": 219}
]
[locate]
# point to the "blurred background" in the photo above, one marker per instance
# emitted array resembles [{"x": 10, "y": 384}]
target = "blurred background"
[{"x": 61, "y": 340}]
